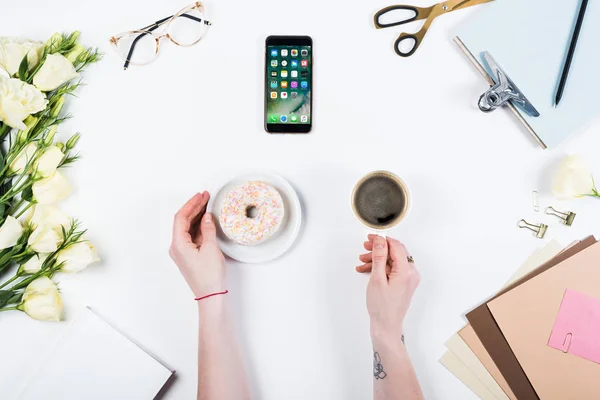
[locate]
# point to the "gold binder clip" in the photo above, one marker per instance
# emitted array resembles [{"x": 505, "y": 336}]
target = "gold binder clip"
[
  {"x": 566, "y": 217},
  {"x": 540, "y": 230}
]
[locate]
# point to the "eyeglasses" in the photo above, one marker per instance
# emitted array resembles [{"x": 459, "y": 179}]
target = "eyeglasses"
[{"x": 140, "y": 47}]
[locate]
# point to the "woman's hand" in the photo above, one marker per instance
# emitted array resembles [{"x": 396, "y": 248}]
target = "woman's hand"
[
  {"x": 195, "y": 249},
  {"x": 393, "y": 282}
]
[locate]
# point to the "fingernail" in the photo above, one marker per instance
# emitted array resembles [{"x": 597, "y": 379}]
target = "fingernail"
[
  {"x": 379, "y": 242},
  {"x": 208, "y": 219}
]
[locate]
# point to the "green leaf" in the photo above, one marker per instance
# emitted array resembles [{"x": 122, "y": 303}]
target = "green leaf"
[
  {"x": 24, "y": 68},
  {"x": 27, "y": 194},
  {"x": 5, "y": 296},
  {"x": 16, "y": 298},
  {"x": 2, "y": 210}
]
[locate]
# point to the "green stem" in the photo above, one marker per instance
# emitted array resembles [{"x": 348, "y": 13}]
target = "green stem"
[
  {"x": 15, "y": 207},
  {"x": 27, "y": 207},
  {"x": 10, "y": 280},
  {"x": 9, "y": 309}
]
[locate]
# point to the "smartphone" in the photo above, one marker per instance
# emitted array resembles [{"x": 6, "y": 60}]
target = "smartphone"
[{"x": 288, "y": 84}]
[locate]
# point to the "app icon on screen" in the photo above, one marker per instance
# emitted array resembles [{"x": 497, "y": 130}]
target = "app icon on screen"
[
  {"x": 294, "y": 52},
  {"x": 283, "y": 118},
  {"x": 294, "y": 63},
  {"x": 284, "y": 52},
  {"x": 273, "y": 118},
  {"x": 284, "y": 63},
  {"x": 273, "y": 84},
  {"x": 294, "y": 95},
  {"x": 284, "y": 74},
  {"x": 284, "y": 84},
  {"x": 294, "y": 74},
  {"x": 274, "y": 73},
  {"x": 273, "y": 63},
  {"x": 294, "y": 84},
  {"x": 274, "y": 53},
  {"x": 273, "y": 95},
  {"x": 294, "y": 118},
  {"x": 304, "y": 52},
  {"x": 304, "y": 63},
  {"x": 304, "y": 74},
  {"x": 304, "y": 118},
  {"x": 304, "y": 85},
  {"x": 284, "y": 95}
]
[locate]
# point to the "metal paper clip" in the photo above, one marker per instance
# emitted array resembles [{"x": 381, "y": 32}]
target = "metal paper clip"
[
  {"x": 566, "y": 217},
  {"x": 567, "y": 343},
  {"x": 503, "y": 91},
  {"x": 536, "y": 202},
  {"x": 540, "y": 230}
]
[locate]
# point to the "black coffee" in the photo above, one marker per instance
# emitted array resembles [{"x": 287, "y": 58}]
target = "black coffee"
[{"x": 379, "y": 200}]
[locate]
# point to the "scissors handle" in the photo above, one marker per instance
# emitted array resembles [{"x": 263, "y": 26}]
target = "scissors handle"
[
  {"x": 419, "y": 13},
  {"x": 416, "y": 39}
]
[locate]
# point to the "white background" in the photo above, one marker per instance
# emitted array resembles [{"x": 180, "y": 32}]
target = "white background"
[{"x": 155, "y": 135}]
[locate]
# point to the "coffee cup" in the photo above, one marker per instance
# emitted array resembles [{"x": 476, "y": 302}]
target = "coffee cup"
[{"x": 380, "y": 200}]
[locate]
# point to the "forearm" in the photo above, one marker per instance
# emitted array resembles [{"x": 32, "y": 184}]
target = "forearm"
[
  {"x": 394, "y": 377},
  {"x": 221, "y": 372}
]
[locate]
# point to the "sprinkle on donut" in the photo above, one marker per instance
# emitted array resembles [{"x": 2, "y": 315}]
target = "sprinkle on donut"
[{"x": 251, "y": 213}]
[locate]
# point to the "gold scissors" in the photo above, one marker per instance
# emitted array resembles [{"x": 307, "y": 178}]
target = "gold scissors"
[{"x": 428, "y": 14}]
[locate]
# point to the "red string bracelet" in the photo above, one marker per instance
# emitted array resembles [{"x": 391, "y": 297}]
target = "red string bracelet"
[{"x": 210, "y": 295}]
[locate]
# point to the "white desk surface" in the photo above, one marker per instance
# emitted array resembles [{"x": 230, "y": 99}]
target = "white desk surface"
[{"x": 154, "y": 135}]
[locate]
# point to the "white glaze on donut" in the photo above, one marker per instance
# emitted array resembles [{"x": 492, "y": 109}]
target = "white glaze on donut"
[{"x": 241, "y": 228}]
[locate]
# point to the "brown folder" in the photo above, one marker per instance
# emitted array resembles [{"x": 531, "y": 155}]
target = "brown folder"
[
  {"x": 527, "y": 314},
  {"x": 488, "y": 331}
]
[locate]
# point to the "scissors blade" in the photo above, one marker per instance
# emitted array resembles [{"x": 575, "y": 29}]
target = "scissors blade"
[{"x": 460, "y": 4}]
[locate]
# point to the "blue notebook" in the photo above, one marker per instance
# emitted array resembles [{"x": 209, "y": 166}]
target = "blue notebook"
[{"x": 529, "y": 40}]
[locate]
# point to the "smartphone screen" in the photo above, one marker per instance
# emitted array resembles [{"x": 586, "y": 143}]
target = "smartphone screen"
[{"x": 288, "y": 84}]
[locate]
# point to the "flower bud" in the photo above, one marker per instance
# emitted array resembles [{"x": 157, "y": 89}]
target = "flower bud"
[
  {"x": 60, "y": 145},
  {"x": 76, "y": 52},
  {"x": 54, "y": 42},
  {"x": 49, "y": 138},
  {"x": 57, "y": 107},
  {"x": 30, "y": 123},
  {"x": 73, "y": 38},
  {"x": 71, "y": 143}
]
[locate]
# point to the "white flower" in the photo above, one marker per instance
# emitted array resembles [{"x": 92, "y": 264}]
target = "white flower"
[
  {"x": 50, "y": 215},
  {"x": 77, "y": 256},
  {"x": 573, "y": 179},
  {"x": 44, "y": 239},
  {"x": 13, "y": 51},
  {"x": 18, "y": 100},
  {"x": 52, "y": 189},
  {"x": 10, "y": 232},
  {"x": 18, "y": 165},
  {"x": 48, "y": 162},
  {"x": 34, "y": 264},
  {"x": 55, "y": 71},
  {"x": 42, "y": 301}
]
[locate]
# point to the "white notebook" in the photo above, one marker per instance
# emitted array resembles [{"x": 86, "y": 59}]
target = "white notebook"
[
  {"x": 529, "y": 40},
  {"x": 94, "y": 361}
]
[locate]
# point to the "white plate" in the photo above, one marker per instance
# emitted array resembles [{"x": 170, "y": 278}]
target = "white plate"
[{"x": 277, "y": 245}]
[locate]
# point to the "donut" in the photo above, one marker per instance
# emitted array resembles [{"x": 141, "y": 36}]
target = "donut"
[{"x": 251, "y": 213}]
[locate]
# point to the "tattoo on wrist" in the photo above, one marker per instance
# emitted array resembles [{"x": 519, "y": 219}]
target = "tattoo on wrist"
[{"x": 378, "y": 371}]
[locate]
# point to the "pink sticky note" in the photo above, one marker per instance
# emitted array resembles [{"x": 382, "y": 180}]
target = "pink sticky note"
[{"x": 577, "y": 326}]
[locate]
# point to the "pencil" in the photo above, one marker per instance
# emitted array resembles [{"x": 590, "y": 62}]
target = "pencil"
[{"x": 572, "y": 46}]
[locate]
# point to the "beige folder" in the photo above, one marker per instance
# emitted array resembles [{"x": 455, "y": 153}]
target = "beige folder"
[{"x": 526, "y": 316}]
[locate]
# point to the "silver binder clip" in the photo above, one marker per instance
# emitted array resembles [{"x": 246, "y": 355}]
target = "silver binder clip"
[{"x": 503, "y": 91}]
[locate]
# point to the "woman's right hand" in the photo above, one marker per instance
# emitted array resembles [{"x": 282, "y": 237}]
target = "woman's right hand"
[
  {"x": 393, "y": 282},
  {"x": 195, "y": 249}
]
